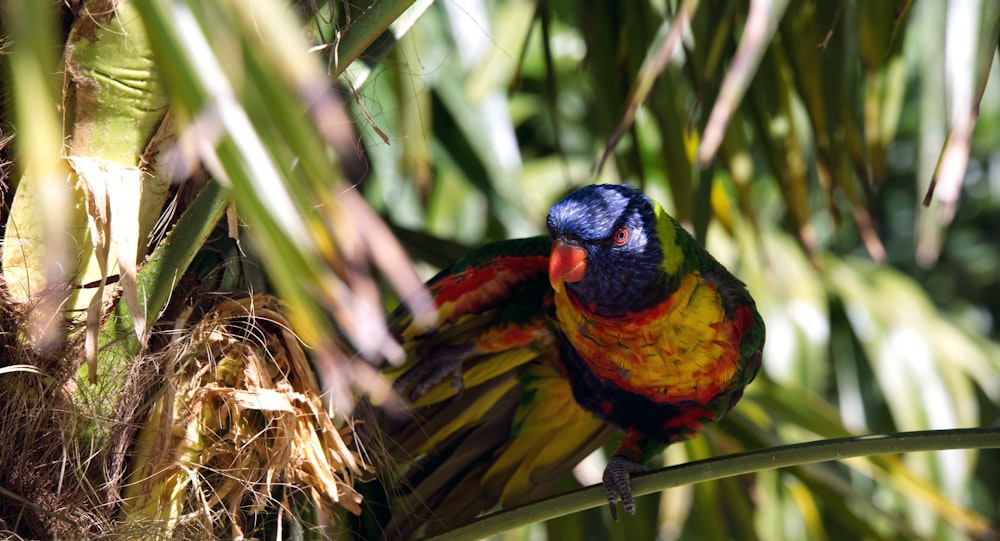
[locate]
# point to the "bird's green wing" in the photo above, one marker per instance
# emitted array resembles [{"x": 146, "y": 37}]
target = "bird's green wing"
[{"x": 491, "y": 416}]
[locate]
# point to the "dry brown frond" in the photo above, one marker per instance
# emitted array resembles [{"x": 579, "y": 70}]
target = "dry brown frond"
[
  {"x": 45, "y": 487},
  {"x": 239, "y": 429}
]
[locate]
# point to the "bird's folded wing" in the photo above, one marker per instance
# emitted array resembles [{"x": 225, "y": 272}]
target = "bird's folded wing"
[{"x": 492, "y": 418}]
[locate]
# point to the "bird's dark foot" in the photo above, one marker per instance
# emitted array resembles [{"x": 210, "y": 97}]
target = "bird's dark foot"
[
  {"x": 616, "y": 483},
  {"x": 426, "y": 373}
]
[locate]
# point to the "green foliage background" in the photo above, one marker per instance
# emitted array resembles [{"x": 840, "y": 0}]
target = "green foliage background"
[{"x": 487, "y": 124}]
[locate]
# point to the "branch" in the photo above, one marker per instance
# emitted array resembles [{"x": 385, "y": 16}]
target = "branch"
[{"x": 730, "y": 466}]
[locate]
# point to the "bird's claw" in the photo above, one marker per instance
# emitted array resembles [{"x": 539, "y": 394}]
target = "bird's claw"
[
  {"x": 425, "y": 374},
  {"x": 616, "y": 483}
]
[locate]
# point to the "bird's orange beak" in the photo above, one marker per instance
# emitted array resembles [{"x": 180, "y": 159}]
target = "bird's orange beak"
[{"x": 567, "y": 263}]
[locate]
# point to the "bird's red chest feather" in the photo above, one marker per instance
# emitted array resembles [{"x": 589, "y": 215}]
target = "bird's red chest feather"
[{"x": 682, "y": 350}]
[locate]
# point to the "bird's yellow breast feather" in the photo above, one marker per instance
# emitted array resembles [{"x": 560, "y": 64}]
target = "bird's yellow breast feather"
[{"x": 683, "y": 349}]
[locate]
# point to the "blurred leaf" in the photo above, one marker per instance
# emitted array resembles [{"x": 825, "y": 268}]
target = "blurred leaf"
[
  {"x": 968, "y": 57},
  {"x": 762, "y": 21},
  {"x": 316, "y": 259},
  {"x": 37, "y": 252}
]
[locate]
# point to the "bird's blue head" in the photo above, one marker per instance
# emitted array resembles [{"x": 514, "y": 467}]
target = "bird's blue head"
[{"x": 606, "y": 249}]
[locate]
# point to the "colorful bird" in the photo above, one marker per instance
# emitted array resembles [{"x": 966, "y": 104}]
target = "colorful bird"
[{"x": 538, "y": 350}]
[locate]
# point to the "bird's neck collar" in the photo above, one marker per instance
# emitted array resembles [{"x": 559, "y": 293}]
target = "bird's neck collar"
[
  {"x": 565, "y": 300},
  {"x": 666, "y": 231}
]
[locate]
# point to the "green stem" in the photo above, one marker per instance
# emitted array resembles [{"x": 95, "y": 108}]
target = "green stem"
[
  {"x": 155, "y": 282},
  {"x": 158, "y": 278},
  {"x": 731, "y": 466},
  {"x": 365, "y": 28}
]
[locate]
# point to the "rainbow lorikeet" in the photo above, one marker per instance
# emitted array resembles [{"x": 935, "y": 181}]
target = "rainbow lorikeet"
[{"x": 538, "y": 350}]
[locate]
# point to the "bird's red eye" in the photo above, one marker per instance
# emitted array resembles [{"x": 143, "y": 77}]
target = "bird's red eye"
[{"x": 621, "y": 236}]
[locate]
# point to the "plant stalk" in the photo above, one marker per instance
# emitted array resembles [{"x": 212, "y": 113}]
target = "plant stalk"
[{"x": 731, "y": 466}]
